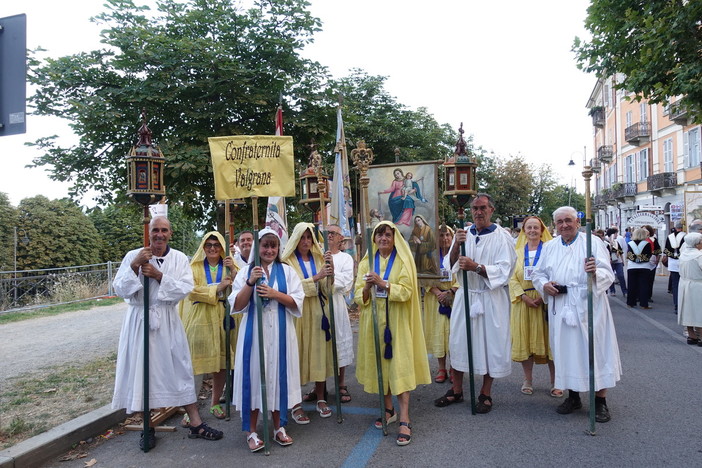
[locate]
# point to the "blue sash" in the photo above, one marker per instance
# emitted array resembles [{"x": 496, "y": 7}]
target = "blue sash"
[
  {"x": 277, "y": 277},
  {"x": 325, "y": 321},
  {"x": 536, "y": 258},
  {"x": 386, "y": 275}
]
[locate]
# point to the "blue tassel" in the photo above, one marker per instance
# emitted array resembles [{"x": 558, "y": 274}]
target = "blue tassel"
[
  {"x": 388, "y": 343},
  {"x": 326, "y": 327}
]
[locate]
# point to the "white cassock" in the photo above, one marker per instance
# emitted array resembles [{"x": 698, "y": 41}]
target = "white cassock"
[
  {"x": 170, "y": 368},
  {"x": 240, "y": 262},
  {"x": 489, "y": 305},
  {"x": 343, "y": 282},
  {"x": 567, "y": 314},
  {"x": 271, "y": 346}
]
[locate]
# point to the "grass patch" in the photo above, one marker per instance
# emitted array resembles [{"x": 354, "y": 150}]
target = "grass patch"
[
  {"x": 58, "y": 309},
  {"x": 32, "y": 405}
]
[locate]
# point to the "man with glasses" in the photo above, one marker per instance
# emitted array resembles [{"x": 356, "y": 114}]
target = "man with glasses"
[{"x": 489, "y": 263}]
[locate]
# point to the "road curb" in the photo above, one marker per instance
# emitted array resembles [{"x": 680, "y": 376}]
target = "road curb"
[{"x": 37, "y": 450}]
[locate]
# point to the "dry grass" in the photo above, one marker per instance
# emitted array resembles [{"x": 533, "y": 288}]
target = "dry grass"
[{"x": 32, "y": 405}]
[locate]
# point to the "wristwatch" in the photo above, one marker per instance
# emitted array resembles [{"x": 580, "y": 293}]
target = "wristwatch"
[{"x": 479, "y": 269}]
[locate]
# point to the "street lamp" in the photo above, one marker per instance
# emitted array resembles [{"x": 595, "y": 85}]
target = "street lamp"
[
  {"x": 571, "y": 165},
  {"x": 25, "y": 241}
]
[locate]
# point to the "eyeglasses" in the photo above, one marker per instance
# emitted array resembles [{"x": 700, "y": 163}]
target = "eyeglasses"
[{"x": 209, "y": 245}]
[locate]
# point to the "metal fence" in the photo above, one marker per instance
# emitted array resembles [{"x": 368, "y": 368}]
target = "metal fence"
[{"x": 28, "y": 289}]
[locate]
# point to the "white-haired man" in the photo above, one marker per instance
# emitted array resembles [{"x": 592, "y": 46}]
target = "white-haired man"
[{"x": 561, "y": 276}]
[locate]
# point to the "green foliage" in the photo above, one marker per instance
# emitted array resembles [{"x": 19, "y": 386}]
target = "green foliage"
[
  {"x": 510, "y": 182},
  {"x": 654, "y": 45},
  {"x": 559, "y": 196},
  {"x": 8, "y": 220},
  {"x": 60, "y": 235}
]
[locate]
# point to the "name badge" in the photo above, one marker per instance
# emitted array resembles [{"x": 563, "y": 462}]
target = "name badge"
[
  {"x": 445, "y": 275},
  {"x": 381, "y": 293},
  {"x": 528, "y": 271}
]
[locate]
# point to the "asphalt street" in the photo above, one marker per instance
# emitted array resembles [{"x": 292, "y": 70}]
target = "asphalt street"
[{"x": 655, "y": 419}]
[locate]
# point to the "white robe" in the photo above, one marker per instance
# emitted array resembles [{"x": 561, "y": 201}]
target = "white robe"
[
  {"x": 271, "y": 342},
  {"x": 690, "y": 288},
  {"x": 170, "y": 368},
  {"x": 489, "y": 306},
  {"x": 343, "y": 282},
  {"x": 567, "y": 314}
]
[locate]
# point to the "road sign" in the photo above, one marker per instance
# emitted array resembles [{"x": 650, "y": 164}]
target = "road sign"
[{"x": 581, "y": 215}]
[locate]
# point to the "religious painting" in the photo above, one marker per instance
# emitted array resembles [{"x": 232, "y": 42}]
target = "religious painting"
[
  {"x": 407, "y": 195},
  {"x": 693, "y": 208}
]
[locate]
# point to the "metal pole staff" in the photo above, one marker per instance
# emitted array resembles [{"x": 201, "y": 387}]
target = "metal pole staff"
[
  {"x": 330, "y": 286},
  {"x": 147, "y": 410},
  {"x": 466, "y": 305},
  {"x": 227, "y": 317},
  {"x": 259, "y": 318},
  {"x": 587, "y": 175}
]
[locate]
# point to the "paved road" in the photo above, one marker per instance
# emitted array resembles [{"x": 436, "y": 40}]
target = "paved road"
[{"x": 655, "y": 420}]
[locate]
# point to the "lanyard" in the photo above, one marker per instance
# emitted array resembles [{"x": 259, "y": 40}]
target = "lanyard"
[
  {"x": 526, "y": 254},
  {"x": 208, "y": 275},
  {"x": 302, "y": 264},
  {"x": 386, "y": 275}
]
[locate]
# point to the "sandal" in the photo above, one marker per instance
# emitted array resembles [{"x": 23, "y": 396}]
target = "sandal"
[
  {"x": 556, "y": 393},
  {"x": 259, "y": 443},
  {"x": 441, "y": 376},
  {"x": 325, "y": 411},
  {"x": 388, "y": 420},
  {"x": 448, "y": 398},
  {"x": 312, "y": 396},
  {"x": 217, "y": 412},
  {"x": 300, "y": 418},
  {"x": 203, "y": 431},
  {"x": 692, "y": 341},
  {"x": 344, "y": 394},
  {"x": 284, "y": 438},
  {"x": 481, "y": 407},
  {"x": 527, "y": 389},
  {"x": 151, "y": 438},
  {"x": 185, "y": 422},
  {"x": 404, "y": 439}
]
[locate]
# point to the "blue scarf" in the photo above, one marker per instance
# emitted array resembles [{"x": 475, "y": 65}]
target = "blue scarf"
[
  {"x": 325, "y": 321},
  {"x": 386, "y": 275},
  {"x": 277, "y": 277}
]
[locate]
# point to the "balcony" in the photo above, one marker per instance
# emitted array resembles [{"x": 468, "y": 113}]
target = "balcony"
[
  {"x": 607, "y": 198},
  {"x": 598, "y": 116},
  {"x": 605, "y": 153},
  {"x": 595, "y": 165},
  {"x": 600, "y": 202},
  {"x": 638, "y": 134},
  {"x": 662, "y": 184},
  {"x": 625, "y": 192},
  {"x": 677, "y": 113}
]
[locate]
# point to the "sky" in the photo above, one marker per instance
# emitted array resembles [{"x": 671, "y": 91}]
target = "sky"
[{"x": 504, "y": 69}]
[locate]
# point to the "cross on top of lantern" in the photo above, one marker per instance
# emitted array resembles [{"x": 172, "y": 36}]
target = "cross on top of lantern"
[
  {"x": 145, "y": 165},
  {"x": 313, "y": 181},
  {"x": 459, "y": 173}
]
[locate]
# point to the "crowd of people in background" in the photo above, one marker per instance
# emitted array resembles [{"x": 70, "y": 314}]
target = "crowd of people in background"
[{"x": 524, "y": 299}]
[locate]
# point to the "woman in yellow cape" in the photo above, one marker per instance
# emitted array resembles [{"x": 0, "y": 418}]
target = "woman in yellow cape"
[
  {"x": 404, "y": 361},
  {"x": 304, "y": 254},
  {"x": 202, "y": 313},
  {"x": 528, "y": 323}
]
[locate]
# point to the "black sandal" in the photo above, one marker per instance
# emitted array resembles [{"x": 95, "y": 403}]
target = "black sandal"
[
  {"x": 344, "y": 394},
  {"x": 203, "y": 431},
  {"x": 404, "y": 439},
  {"x": 481, "y": 407},
  {"x": 445, "y": 401},
  {"x": 388, "y": 419},
  {"x": 151, "y": 438}
]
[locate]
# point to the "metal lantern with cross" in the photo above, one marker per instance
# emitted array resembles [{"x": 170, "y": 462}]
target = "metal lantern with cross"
[
  {"x": 459, "y": 174},
  {"x": 145, "y": 165},
  {"x": 313, "y": 182}
]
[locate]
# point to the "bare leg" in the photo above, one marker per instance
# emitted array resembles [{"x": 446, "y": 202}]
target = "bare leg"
[
  {"x": 253, "y": 421},
  {"x": 404, "y": 400},
  {"x": 487, "y": 385},
  {"x": 457, "y": 381},
  {"x": 218, "y": 379},
  {"x": 319, "y": 390},
  {"x": 528, "y": 367},
  {"x": 442, "y": 362}
]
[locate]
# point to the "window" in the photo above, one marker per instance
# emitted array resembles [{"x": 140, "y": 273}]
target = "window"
[
  {"x": 643, "y": 107},
  {"x": 628, "y": 119},
  {"x": 630, "y": 175},
  {"x": 693, "y": 147},
  {"x": 668, "y": 155},
  {"x": 643, "y": 164},
  {"x": 612, "y": 173}
]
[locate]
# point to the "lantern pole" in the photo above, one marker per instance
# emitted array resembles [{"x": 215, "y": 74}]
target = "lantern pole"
[
  {"x": 362, "y": 158},
  {"x": 587, "y": 175},
  {"x": 227, "y": 316}
]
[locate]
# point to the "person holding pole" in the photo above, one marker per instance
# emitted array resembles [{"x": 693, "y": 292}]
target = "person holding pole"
[
  {"x": 489, "y": 260},
  {"x": 282, "y": 296},
  {"x": 304, "y": 254},
  {"x": 404, "y": 363},
  {"x": 203, "y": 314},
  {"x": 243, "y": 256},
  {"x": 171, "y": 381},
  {"x": 561, "y": 276},
  {"x": 343, "y": 282}
]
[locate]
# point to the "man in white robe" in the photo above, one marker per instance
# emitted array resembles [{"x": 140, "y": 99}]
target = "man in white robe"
[
  {"x": 489, "y": 263},
  {"x": 171, "y": 380},
  {"x": 343, "y": 282},
  {"x": 245, "y": 243},
  {"x": 563, "y": 263}
]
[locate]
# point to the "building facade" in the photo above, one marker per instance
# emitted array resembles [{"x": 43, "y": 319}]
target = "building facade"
[{"x": 646, "y": 157}]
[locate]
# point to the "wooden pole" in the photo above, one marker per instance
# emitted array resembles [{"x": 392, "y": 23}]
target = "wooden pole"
[{"x": 227, "y": 317}]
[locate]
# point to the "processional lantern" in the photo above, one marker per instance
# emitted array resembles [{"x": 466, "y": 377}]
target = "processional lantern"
[
  {"x": 313, "y": 182},
  {"x": 459, "y": 174},
  {"x": 145, "y": 165}
]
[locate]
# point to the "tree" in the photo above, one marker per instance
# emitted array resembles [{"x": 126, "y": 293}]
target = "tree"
[
  {"x": 655, "y": 45},
  {"x": 510, "y": 182},
  {"x": 201, "y": 68},
  {"x": 560, "y": 196},
  {"x": 59, "y": 233},
  {"x": 8, "y": 220}
]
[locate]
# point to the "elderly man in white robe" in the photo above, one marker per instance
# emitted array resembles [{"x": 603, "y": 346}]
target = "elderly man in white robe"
[
  {"x": 561, "y": 276},
  {"x": 490, "y": 260},
  {"x": 171, "y": 381}
]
